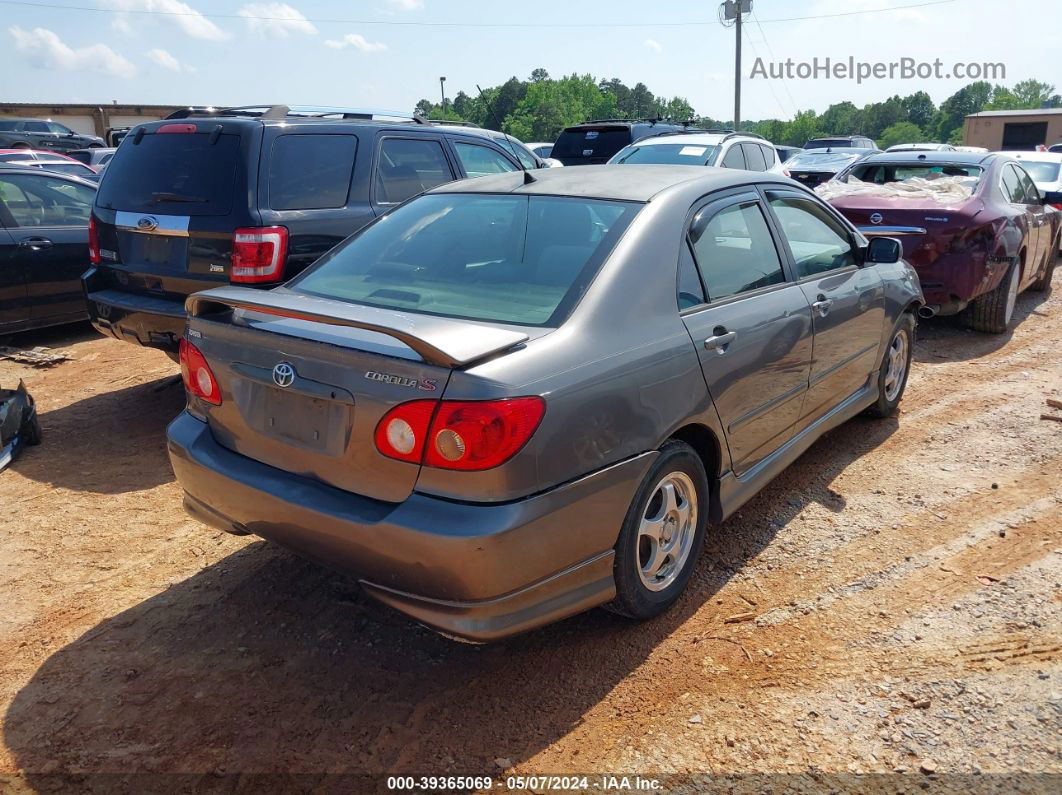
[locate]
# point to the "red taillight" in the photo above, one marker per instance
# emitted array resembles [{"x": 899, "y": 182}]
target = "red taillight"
[
  {"x": 195, "y": 371},
  {"x": 177, "y": 128},
  {"x": 786, "y": 172},
  {"x": 93, "y": 241},
  {"x": 258, "y": 254},
  {"x": 459, "y": 434},
  {"x": 403, "y": 430},
  {"x": 1057, "y": 206}
]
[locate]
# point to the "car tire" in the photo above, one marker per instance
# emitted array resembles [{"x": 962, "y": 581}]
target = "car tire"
[
  {"x": 1043, "y": 283},
  {"x": 895, "y": 367},
  {"x": 993, "y": 312},
  {"x": 32, "y": 432},
  {"x": 671, "y": 505}
]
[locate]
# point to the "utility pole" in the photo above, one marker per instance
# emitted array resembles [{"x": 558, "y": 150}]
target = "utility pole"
[
  {"x": 731, "y": 13},
  {"x": 442, "y": 90}
]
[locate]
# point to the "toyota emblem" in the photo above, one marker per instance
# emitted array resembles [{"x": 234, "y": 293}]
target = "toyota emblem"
[
  {"x": 147, "y": 224},
  {"x": 283, "y": 374},
  {"x": 875, "y": 218}
]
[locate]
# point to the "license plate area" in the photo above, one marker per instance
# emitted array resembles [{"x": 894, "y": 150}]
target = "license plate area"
[
  {"x": 166, "y": 251},
  {"x": 309, "y": 422}
]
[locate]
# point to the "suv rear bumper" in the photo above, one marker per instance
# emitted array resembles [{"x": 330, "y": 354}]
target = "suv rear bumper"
[
  {"x": 142, "y": 319},
  {"x": 478, "y": 571}
]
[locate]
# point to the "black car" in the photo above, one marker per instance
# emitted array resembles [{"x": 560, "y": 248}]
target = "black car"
[
  {"x": 593, "y": 142},
  {"x": 812, "y": 167},
  {"x": 252, "y": 196},
  {"x": 43, "y": 134},
  {"x": 44, "y": 220},
  {"x": 841, "y": 141}
]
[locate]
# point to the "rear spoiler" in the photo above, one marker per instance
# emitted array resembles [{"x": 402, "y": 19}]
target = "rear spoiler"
[
  {"x": 438, "y": 340},
  {"x": 890, "y": 231}
]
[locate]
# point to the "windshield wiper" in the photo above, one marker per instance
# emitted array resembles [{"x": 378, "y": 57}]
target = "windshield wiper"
[{"x": 163, "y": 196}]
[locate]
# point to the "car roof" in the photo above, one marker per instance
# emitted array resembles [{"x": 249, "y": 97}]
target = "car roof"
[
  {"x": 622, "y": 183},
  {"x": 36, "y": 169},
  {"x": 1043, "y": 157},
  {"x": 932, "y": 156}
]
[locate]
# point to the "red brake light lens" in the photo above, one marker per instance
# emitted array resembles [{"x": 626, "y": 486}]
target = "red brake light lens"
[
  {"x": 198, "y": 379},
  {"x": 459, "y": 434},
  {"x": 177, "y": 128},
  {"x": 258, "y": 254},
  {"x": 402, "y": 431},
  {"x": 1057, "y": 206},
  {"x": 93, "y": 241},
  {"x": 481, "y": 434}
]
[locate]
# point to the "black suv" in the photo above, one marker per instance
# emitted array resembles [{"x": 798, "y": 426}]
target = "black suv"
[
  {"x": 594, "y": 142},
  {"x": 252, "y": 196},
  {"x": 43, "y": 134}
]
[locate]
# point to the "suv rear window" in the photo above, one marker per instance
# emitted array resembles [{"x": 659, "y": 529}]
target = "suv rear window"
[
  {"x": 578, "y": 143},
  {"x": 311, "y": 172},
  {"x": 175, "y": 173},
  {"x": 822, "y": 143},
  {"x": 512, "y": 259}
]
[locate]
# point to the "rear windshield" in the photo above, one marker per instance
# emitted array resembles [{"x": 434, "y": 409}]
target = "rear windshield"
[
  {"x": 675, "y": 154},
  {"x": 1041, "y": 171},
  {"x": 833, "y": 161},
  {"x": 75, "y": 169},
  {"x": 580, "y": 142},
  {"x": 822, "y": 143},
  {"x": 897, "y": 172},
  {"x": 524, "y": 260},
  {"x": 172, "y": 173}
]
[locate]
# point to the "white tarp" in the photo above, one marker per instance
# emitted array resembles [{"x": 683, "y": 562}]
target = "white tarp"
[{"x": 943, "y": 190}]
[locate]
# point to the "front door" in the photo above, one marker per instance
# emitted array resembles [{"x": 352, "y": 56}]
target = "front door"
[
  {"x": 750, "y": 324},
  {"x": 847, "y": 300}
]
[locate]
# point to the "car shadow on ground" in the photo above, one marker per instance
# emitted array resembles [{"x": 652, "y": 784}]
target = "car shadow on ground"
[
  {"x": 52, "y": 336},
  {"x": 109, "y": 443},
  {"x": 265, "y": 663},
  {"x": 949, "y": 339}
]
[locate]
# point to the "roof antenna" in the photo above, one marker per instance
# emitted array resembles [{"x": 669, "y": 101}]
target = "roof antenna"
[{"x": 529, "y": 178}]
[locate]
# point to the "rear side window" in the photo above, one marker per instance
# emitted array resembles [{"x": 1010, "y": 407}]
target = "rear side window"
[
  {"x": 1032, "y": 195},
  {"x": 173, "y": 173},
  {"x": 1012, "y": 188},
  {"x": 735, "y": 250},
  {"x": 507, "y": 258},
  {"x": 311, "y": 172},
  {"x": 408, "y": 167},
  {"x": 733, "y": 158},
  {"x": 754, "y": 157},
  {"x": 8, "y": 125},
  {"x": 769, "y": 155},
  {"x": 35, "y": 126},
  {"x": 478, "y": 161}
]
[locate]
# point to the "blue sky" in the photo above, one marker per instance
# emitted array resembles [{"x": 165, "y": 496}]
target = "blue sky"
[{"x": 65, "y": 55}]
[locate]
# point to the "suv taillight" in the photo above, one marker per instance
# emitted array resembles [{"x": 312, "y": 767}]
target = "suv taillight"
[
  {"x": 93, "y": 241},
  {"x": 459, "y": 434},
  {"x": 258, "y": 254},
  {"x": 198, "y": 379}
]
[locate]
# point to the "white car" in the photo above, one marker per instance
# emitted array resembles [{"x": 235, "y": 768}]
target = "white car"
[
  {"x": 726, "y": 149},
  {"x": 1045, "y": 168},
  {"x": 540, "y": 148}
]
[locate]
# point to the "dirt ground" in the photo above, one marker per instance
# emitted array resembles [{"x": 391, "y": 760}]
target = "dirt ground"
[{"x": 891, "y": 603}]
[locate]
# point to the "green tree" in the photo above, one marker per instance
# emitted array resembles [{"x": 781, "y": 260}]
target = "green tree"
[
  {"x": 954, "y": 110},
  {"x": 902, "y": 132},
  {"x": 919, "y": 108},
  {"x": 1033, "y": 93},
  {"x": 538, "y": 75},
  {"x": 803, "y": 127},
  {"x": 842, "y": 118}
]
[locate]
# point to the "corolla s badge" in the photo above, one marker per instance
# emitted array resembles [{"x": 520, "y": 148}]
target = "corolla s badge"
[
  {"x": 147, "y": 223},
  {"x": 876, "y": 218},
  {"x": 283, "y": 374}
]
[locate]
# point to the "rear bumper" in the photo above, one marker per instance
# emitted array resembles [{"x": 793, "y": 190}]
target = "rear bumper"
[
  {"x": 141, "y": 319},
  {"x": 477, "y": 571},
  {"x": 951, "y": 281}
]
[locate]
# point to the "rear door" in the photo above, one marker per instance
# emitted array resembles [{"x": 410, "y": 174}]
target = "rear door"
[
  {"x": 847, "y": 300},
  {"x": 751, "y": 326},
  {"x": 406, "y": 165},
  {"x": 1040, "y": 230},
  {"x": 50, "y": 235},
  {"x": 14, "y": 309},
  {"x": 478, "y": 160}
]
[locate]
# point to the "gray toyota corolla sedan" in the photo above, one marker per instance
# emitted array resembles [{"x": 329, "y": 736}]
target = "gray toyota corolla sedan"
[{"x": 516, "y": 397}]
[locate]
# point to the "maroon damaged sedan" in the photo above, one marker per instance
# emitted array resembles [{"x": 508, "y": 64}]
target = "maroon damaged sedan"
[{"x": 974, "y": 253}]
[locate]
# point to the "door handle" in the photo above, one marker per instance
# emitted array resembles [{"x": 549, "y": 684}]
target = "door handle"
[
  {"x": 822, "y": 305},
  {"x": 720, "y": 341},
  {"x": 36, "y": 243}
]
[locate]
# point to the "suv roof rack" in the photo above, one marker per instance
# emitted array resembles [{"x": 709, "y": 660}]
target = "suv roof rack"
[
  {"x": 309, "y": 112},
  {"x": 656, "y": 120}
]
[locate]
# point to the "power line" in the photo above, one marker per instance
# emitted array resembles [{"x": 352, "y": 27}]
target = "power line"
[
  {"x": 412, "y": 23},
  {"x": 770, "y": 50},
  {"x": 769, "y": 86}
]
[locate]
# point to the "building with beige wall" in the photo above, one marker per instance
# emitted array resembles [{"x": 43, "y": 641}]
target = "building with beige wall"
[
  {"x": 89, "y": 119},
  {"x": 998, "y": 130}
]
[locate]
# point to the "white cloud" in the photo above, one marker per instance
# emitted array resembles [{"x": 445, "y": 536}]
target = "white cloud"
[
  {"x": 167, "y": 61},
  {"x": 406, "y": 5},
  {"x": 357, "y": 41},
  {"x": 46, "y": 49},
  {"x": 277, "y": 20},
  {"x": 188, "y": 19},
  {"x": 654, "y": 45}
]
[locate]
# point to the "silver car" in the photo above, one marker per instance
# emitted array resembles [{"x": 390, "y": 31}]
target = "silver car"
[{"x": 518, "y": 397}]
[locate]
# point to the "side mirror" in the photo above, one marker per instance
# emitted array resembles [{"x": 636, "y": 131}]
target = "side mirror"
[{"x": 884, "y": 251}]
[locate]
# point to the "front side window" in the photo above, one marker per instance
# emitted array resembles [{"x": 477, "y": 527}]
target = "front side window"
[
  {"x": 311, "y": 172},
  {"x": 408, "y": 167},
  {"x": 478, "y": 161},
  {"x": 40, "y": 200},
  {"x": 522, "y": 153},
  {"x": 733, "y": 158},
  {"x": 58, "y": 128},
  {"x": 818, "y": 242},
  {"x": 507, "y": 258},
  {"x": 735, "y": 251}
]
